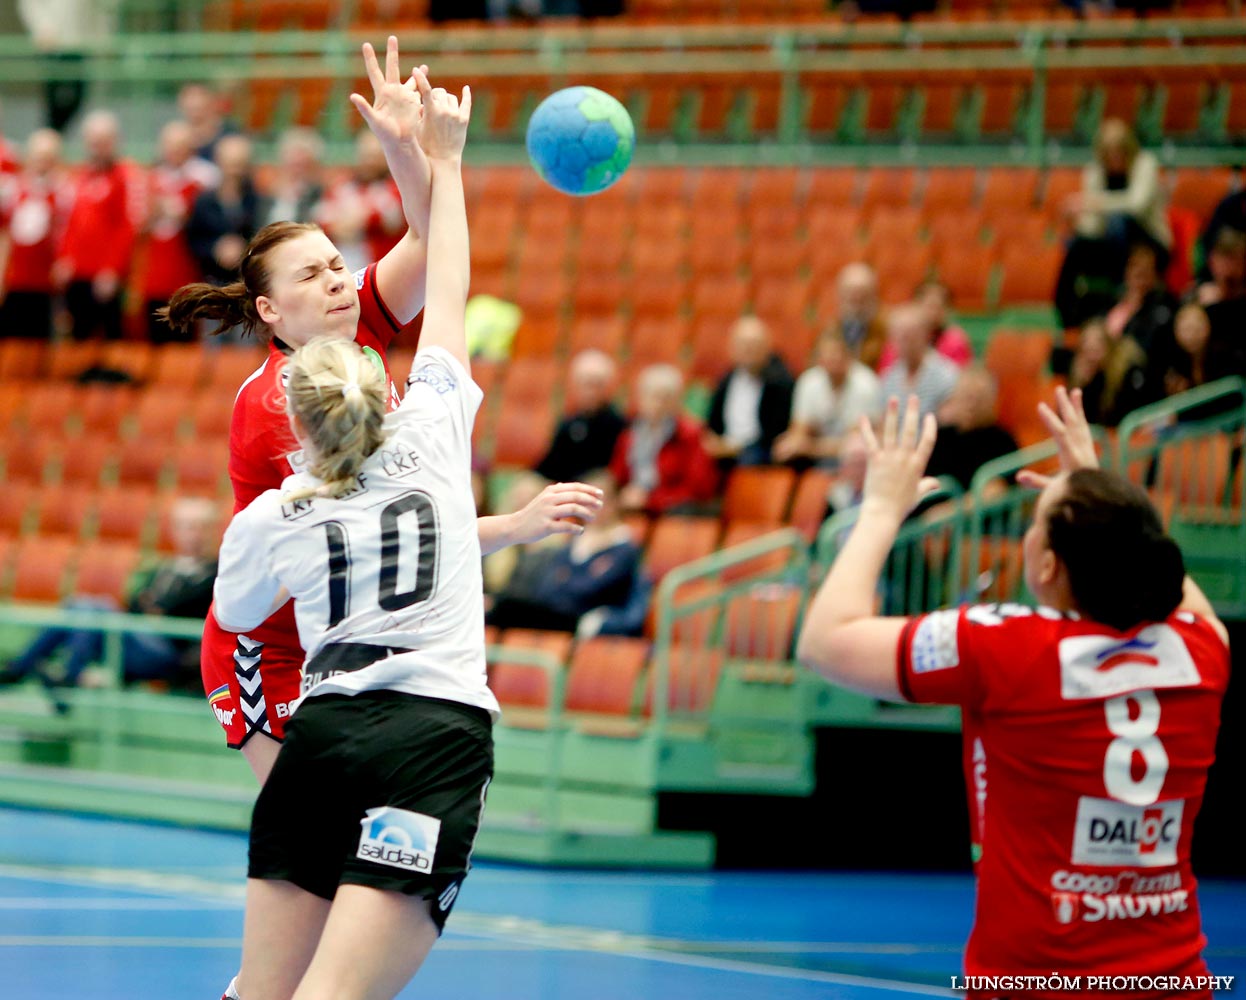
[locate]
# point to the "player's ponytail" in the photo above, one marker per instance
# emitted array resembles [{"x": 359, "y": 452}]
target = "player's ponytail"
[
  {"x": 233, "y": 305},
  {"x": 1123, "y": 569},
  {"x": 338, "y": 395}
]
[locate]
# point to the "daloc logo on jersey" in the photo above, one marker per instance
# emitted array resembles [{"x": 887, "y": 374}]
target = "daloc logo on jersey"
[
  {"x": 1114, "y": 833},
  {"x": 399, "y": 838}
]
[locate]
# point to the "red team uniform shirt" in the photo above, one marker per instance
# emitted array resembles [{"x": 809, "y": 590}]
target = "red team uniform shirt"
[
  {"x": 169, "y": 262},
  {"x": 33, "y": 210},
  {"x": 252, "y": 679},
  {"x": 100, "y": 232},
  {"x": 1085, "y": 753}
]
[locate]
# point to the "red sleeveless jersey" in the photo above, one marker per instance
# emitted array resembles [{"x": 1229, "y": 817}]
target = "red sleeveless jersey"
[{"x": 1086, "y": 753}]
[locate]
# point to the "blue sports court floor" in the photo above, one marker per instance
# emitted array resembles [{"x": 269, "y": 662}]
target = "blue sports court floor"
[{"x": 108, "y": 910}]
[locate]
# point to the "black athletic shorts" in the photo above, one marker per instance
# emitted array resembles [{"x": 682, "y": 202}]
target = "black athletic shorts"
[{"x": 380, "y": 789}]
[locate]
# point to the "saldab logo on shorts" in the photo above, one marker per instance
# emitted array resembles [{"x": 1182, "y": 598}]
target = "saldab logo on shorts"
[{"x": 399, "y": 838}]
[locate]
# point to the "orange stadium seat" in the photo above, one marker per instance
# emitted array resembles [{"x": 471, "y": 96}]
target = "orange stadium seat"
[
  {"x": 902, "y": 270},
  {"x": 1195, "y": 471},
  {"x": 143, "y": 463},
  {"x": 159, "y": 414},
  {"x": 1059, "y": 184},
  {"x": 522, "y": 684},
  {"x": 134, "y": 358},
  {"x": 597, "y": 294},
  {"x": 102, "y": 407},
  {"x": 53, "y": 402},
  {"x": 710, "y": 358},
  {"x": 722, "y": 256},
  {"x": 211, "y": 413},
  {"x": 1009, "y": 189},
  {"x": 659, "y": 295},
  {"x": 967, "y": 274},
  {"x": 719, "y": 296},
  {"x": 657, "y": 340},
  {"x": 201, "y": 467},
  {"x": 834, "y": 186},
  {"x": 124, "y": 514},
  {"x": 949, "y": 190},
  {"x": 741, "y": 532},
  {"x": 29, "y": 458},
  {"x": 774, "y": 223},
  {"x": 677, "y": 540},
  {"x": 1029, "y": 272},
  {"x": 775, "y": 186},
  {"x": 85, "y": 460},
  {"x": 17, "y": 502},
  {"x": 521, "y": 443},
  {"x": 530, "y": 381},
  {"x": 537, "y": 336},
  {"x": 106, "y": 570},
  {"x": 758, "y": 494},
  {"x": 603, "y": 333},
  {"x": 783, "y": 301},
  {"x": 64, "y": 512},
  {"x": 885, "y": 94},
  {"x": 952, "y": 231},
  {"x": 890, "y": 187},
  {"x": 21, "y": 360},
  {"x": 1185, "y": 92},
  {"x": 655, "y": 255},
  {"x": 1064, "y": 95},
  {"x": 1201, "y": 190},
  {"x": 70, "y": 358},
  {"x": 893, "y": 228},
  {"x": 181, "y": 365},
  {"x": 42, "y": 569},
  {"x": 231, "y": 366},
  {"x": 604, "y": 673},
  {"x": 718, "y": 187}
]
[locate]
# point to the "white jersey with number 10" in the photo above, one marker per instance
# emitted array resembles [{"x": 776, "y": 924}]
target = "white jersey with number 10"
[{"x": 395, "y": 562}]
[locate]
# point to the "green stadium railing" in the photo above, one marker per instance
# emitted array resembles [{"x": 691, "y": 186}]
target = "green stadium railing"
[{"x": 541, "y": 59}]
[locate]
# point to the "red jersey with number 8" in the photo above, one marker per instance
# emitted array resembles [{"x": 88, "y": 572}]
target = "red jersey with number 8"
[{"x": 1086, "y": 753}]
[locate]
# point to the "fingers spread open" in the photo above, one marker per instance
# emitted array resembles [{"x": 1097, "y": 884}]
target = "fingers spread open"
[
  {"x": 867, "y": 434},
  {"x": 391, "y": 61},
  {"x": 375, "y": 76},
  {"x": 890, "y": 420}
]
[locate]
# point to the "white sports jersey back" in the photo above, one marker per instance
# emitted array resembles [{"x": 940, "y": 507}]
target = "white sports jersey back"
[{"x": 394, "y": 563}]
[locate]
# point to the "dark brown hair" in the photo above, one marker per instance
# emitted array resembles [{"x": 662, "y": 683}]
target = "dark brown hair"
[
  {"x": 234, "y": 304},
  {"x": 1123, "y": 569}
]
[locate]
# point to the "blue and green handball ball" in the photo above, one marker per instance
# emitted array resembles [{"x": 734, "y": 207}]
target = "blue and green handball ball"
[{"x": 581, "y": 140}]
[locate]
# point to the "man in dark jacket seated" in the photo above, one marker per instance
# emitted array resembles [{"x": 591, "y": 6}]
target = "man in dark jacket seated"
[
  {"x": 586, "y": 436},
  {"x": 751, "y": 406}
]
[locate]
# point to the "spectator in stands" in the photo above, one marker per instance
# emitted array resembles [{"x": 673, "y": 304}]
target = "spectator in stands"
[
  {"x": 34, "y": 205},
  {"x": 1188, "y": 362},
  {"x": 94, "y": 255},
  {"x": 828, "y": 402},
  {"x": 659, "y": 461},
  {"x": 752, "y": 404},
  {"x": 1146, "y": 307},
  {"x": 201, "y": 108},
  {"x": 1224, "y": 298},
  {"x": 848, "y": 487},
  {"x": 919, "y": 370},
  {"x": 225, "y": 218},
  {"x": 857, "y": 320},
  {"x": 586, "y": 436},
  {"x": 1229, "y": 214},
  {"x": 173, "y": 185},
  {"x": 1111, "y": 373},
  {"x": 1120, "y": 205},
  {"x": 362, "y": 213},
  {"x": 969, "y": 430},
  {"x": 179, "y": 586},
  {"x": 948, "y": 339},
  {"x": 590, "y": 584},
  {"x": 298, "y": 189}
]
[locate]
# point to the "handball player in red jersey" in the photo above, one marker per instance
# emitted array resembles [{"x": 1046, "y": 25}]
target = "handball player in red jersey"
[
  {"x": 1089, "y": 720},
  {"x": 294, "y": 287}
]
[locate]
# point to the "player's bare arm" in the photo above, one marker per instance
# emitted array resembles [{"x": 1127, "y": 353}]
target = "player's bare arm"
[
  {"x": 843, "y": 638},
  {"x": 394, "y": 115}
]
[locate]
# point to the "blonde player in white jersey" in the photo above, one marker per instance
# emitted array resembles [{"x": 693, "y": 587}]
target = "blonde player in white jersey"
[{"x": 363, "y": 833}]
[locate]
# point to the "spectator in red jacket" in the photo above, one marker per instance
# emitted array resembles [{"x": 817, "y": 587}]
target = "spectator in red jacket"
[
  {"x": 172, "y": 186},
  {"x": 659, "y": 461},
  {"x": 33, "y": 207},
  {"x": 95, "y": 250}
]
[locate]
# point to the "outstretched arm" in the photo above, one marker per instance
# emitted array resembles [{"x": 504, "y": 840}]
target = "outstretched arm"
[
  {"x": 394, "y": 117},
  {"x": 843, "y": 638},
  {"x": 442, "y": 133},
  {"x": 560, "y": 509}
]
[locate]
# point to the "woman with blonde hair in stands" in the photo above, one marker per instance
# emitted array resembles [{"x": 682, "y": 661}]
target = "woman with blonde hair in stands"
[
  {"x": 362, "y": 836},
  {"x": 293, "y": 287}
]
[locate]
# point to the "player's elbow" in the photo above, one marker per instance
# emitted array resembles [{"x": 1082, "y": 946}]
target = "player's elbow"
[{"x": 814, "y": 648}]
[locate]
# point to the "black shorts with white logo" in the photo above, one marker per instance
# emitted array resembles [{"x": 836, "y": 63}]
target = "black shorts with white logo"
[{"x": 380, "y": 789}]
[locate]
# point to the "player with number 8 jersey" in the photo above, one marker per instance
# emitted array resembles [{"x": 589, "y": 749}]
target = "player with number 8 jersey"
[{"x": 1089, "y": 721}]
